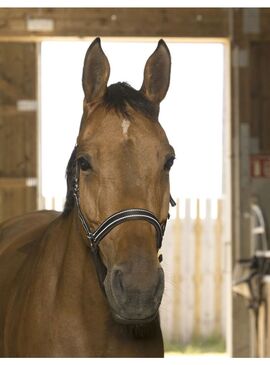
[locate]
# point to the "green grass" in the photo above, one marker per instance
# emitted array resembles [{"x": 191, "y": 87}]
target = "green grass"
[{"x": 212, "y": 344}]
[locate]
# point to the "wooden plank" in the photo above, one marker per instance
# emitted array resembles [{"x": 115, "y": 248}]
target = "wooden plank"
[
  {"x": 87, "y": 22},
  {"x": 19, "y": 145},
  {"x": 267, "y": 334},
  {"x": 260, "y": 94},
  {"x": 241, "y": 331},
  {"x": 261, "y": 330},
  {"x": 18, "y": 140},
  {"x": 18, "y": 72},
  {"x": 197, "y": 272},
  {"x": 207, "y": 272},
  {"x": 16, "y": 201},
  {"x": 179, "y": 311},
  {"x": 30, "y": 199},
  {"x": 12, "y": 110},
  {"x": 187, "y": 273},
  {"x": 16, "y": 182},
  {"x": 7, "y": 88},
  {"x": 218, "y": 273},
  {"x": 10, "y": 149},
  {"x": 166, "y": 309},
  {"x": 255, "y": 90}
]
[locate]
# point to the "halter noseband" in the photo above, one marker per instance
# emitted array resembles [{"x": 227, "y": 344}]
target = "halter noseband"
[{"x": 94, "y": 237}]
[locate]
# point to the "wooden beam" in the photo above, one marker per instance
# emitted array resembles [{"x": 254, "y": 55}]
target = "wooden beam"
[
  {"x": 117, "y": 22},
  {"x": 17, "y": 182},
  {"x": 11, "y": 110}
]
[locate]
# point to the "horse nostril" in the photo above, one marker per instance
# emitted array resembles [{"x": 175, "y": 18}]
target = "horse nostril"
[
  {"x": 119, "y": 276},
  {"x": 160, "y": 284},
  {"x": 117, "y": 280}
]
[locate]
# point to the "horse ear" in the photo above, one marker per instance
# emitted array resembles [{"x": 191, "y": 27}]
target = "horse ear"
[
  {"x": 157, "y": 74},
  {"x": 96, "y": 72}
]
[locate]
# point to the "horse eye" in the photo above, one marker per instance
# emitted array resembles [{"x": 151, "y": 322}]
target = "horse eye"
[
  {"x": 84, "y": 164},
  {"x": 169, "y": 163}
]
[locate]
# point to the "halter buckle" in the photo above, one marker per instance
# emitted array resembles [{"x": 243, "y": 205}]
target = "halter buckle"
[{"x": 91, "y": 239}]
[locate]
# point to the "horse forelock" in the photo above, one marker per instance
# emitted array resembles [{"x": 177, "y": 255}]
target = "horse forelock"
[{"x": 119, "y": 97}]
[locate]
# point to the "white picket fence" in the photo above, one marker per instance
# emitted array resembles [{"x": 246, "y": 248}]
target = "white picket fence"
[
  {"x": 193, "y": 260},
  {"x": 51, "y": 202},
  {"x": 194, "y": 302}
]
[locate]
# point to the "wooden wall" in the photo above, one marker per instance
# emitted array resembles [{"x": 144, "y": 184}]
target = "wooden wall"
[
  {"x": 118, "y": 22},
  {"x": 250, "y": 136},
  {"x": 248, "y": 31},
  {"x": 260, "y": 94},
  {"x": 18, "y": 129}
]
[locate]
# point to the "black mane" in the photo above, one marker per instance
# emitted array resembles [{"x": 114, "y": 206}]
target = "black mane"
[
  {"x": 70, "y": 175},
  {"x": 118, "y": 97},
  {"x": 121, "y": 94}
]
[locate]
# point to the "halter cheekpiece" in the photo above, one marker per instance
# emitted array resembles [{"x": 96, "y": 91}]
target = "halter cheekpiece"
[{"x": 95, "y": 236}]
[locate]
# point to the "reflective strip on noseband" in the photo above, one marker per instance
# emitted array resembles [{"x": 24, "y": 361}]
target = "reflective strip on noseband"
[
  {"x": 114, "y": 220},
  {"x": 94, "y": 237},
  {"x": 127, "y": 215}
]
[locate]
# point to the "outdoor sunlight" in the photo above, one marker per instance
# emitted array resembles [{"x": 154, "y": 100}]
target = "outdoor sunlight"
[{"x": 191, "y": 113}]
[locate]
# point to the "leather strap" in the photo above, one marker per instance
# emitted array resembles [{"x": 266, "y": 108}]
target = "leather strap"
[
  {"x": 94, "y": 237},
  {"x": 128, "y": 215},
  {"x": 114, "y": 220}
]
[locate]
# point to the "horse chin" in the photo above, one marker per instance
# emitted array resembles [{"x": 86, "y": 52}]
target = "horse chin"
[
  {"x": 133, "y": 321},
  {"x": 121, "y": 316},
  {"x": 130, "y": 307}
]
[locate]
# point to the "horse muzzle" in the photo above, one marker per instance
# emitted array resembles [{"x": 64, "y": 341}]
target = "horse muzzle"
[{"x": 134, "y": 300}]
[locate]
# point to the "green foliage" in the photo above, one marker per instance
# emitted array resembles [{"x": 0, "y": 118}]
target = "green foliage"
[{"x": 199, "y": 345}]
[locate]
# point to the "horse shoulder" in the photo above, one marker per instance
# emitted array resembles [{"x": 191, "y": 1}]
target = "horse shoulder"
[
  {"x": 19, "y": 236},
  {"x": 19, "y": 231}
]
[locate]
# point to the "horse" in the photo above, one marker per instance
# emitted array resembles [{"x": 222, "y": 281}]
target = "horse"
[{"x": 87, "y": 281}]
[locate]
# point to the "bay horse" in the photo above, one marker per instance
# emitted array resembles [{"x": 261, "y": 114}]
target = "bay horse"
[{"x": 87, "y": 282}]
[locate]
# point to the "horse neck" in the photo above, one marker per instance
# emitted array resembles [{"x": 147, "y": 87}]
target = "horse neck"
[{"x": 67, "y": 265}]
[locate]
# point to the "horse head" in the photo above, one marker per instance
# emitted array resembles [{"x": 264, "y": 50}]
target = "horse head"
[{"x": 121, "y": 163}]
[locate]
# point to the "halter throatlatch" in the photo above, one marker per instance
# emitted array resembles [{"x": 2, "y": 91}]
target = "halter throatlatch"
[{"x": 94, "y": 237}]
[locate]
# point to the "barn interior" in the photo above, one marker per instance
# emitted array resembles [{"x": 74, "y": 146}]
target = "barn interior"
[{"x": 223, "y": 232}]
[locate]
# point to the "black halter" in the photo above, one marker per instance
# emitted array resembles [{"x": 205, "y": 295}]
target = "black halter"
[{"x": 94, "y": 237}]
